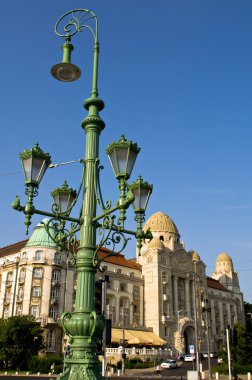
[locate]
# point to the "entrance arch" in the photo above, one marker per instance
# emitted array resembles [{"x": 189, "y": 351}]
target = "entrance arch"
[{"x": 189, "y": 338}]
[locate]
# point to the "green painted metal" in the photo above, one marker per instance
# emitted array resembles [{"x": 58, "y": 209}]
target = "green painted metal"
[
  {"x": 40, "y": 237},
  {"x": 84, "y": 327}
]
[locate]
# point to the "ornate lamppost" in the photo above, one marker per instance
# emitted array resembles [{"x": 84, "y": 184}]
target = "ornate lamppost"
[{"x": 84, "y": 327}]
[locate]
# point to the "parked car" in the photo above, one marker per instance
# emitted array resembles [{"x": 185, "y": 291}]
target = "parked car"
[
  {"x": 213, "y": 355},
  {"x": 205, "y": 354},
  {"x": 169, "y": 363},
  {"x": 189, "y": 358},
  {"x": 219, "y": 360}
]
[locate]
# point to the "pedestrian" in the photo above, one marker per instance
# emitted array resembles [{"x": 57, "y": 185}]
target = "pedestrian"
[
  {"x": 158, "y": 370},
  {"x": 52, "y": 368}
]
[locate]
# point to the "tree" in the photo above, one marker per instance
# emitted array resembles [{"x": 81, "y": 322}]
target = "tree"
[
  {"x": 20, "y": 339},
  {"x": 242, "y": 351}
]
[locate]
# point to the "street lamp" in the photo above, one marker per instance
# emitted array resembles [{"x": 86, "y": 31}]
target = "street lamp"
[
  {"x": 84, "y": 327},
  {"x": 195, "y": 259}
]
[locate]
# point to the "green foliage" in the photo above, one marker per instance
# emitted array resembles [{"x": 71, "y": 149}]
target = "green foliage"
[
  {"x": 20, "y": 339},
  {"x": 43, "y": 364},
  {"x": 242, "y": 353},
  {"x": 241, "y": 369}
]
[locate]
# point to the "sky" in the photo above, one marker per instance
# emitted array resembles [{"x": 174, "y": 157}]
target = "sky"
[{"x": 175, "y": 76}]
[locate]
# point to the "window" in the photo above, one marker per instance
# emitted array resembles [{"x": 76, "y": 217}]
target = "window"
[
  {"x": 53, "y": 313},
  {"x": 54, "y": 293},
  {"x": 9, "y": 278},
  {"x": 6, "y": 313},
  {"x": 20, "y": 294},
  {"x": 8, "y": 296},
  {"x": 57, "y": 258},
  {"x": 39, "y": 255},
  {"x": 56, "y": 275},
  {"x": 38, "y": 272},
  {"x": 36, "y": 291},
  {"x": 22, "y": 275},
  {"x": 51, "y": 340},
  {"x": 19, "y": 310},
  {"x": 34, "y": 311},
  {"x": 123, "y": 287}
]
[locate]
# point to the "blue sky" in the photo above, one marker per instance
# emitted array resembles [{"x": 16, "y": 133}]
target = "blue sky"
[{"x": 175, "y": 77}]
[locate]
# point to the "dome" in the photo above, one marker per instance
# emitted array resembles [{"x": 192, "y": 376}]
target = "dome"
[
  {"x": 155, "y": 243},
  {"x": 195, "y": 255},
  {"x": 223, "y": 256},
  {"x": 40, "y": 237},
  {"x": 223, "y": 263},
  {"x": 161, "y": 222}
]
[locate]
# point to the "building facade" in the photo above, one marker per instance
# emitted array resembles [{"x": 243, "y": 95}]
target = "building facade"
[{"x": 164, "y": 290}]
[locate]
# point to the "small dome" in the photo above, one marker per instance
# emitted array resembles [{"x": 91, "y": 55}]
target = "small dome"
[
  {"x": 161, "y": 222},
  {"x": 223, "y": 256},
  {"x": 40, "y": 237},
  {"x": 155, "y": 243},
  {"x": 195, "y": 255}
]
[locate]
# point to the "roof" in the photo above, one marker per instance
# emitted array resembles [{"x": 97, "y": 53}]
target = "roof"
[
  {"x": 40, "y": 237},
  {"x": 156, "y": 243},
  {"x": 13, "y": 248},
  {"x": 118, "y": 259},
  {"x": 161, "y": 222},
  {"x": 215, "y": 284}
]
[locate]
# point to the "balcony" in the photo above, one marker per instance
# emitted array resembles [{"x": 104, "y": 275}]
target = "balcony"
[
  {"x": 8, "y": 284},
  {"x": 54, "y": 301}
]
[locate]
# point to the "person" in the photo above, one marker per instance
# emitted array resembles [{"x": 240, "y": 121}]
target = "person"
[
  {"x": 158, "y": 370},
  {"x": 52, "y": 367}
]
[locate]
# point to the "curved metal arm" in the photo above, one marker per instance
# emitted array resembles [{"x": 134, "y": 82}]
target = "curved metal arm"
[{"x": 77, "y": 23}]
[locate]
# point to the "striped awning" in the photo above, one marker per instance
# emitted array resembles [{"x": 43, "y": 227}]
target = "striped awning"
[{"x": 137, "y": 337}]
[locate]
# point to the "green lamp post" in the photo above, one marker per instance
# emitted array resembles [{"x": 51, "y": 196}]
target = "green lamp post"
[{"x": 84, "y": 327}]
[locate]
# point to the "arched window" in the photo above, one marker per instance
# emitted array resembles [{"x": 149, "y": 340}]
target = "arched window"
[
  {"x": 34, "y": 311},
  {"x": 53, "y": 312},
  {"x": 36, "y": 291},
  {"x": 9, "y": 278},
  {"x": 38, "y": 272},
  {"x": 22, "y": 275},
  {"x": 56, "y": 275},
  {"x": 20, "y": 294},
  {"x": 57, "y": 258},
  {"x": 51, "y": 340},
  {"x": 6, "y": 313},
  {"x": 39, "y": 255}
]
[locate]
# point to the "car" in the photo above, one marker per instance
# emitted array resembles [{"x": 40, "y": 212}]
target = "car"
[
  {"x": 219, "y": 360},
  {"x": 189, "y": 358},
  {"x": 169, "y": 363},
  {"x": 205, "y": 354},
  {"x": 213, "y": 355}
]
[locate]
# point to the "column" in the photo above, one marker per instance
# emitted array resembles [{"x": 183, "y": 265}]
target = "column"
[
  {"x": 221, "y": 316},
  {"x": 187, "y": 297},
  {"x": 175, "y": 294},
  {"x": 213, "y": 320}
]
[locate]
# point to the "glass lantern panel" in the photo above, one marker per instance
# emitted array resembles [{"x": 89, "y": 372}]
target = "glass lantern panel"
[
  {"x": 38, "y": 169},
  {"x": 113, "y": 161},
  {"x": 144, "y": 198},
  {"x": 131, "y": 161},
  {"x": 27, "y": 168},
  {"x": 64, "y": 200},
  {"x": 136, "y": 203},
  {"x": 122, "y": 154}
]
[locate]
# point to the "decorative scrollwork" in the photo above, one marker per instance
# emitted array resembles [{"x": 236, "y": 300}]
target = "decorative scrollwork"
[
  {"x": 77, "y": 22},
  {"x": 34, "y": 191},
  {"x": 111, "y": 237},
  {"x": 103, "y": 206},
  {"x": 64, "y": 318}
]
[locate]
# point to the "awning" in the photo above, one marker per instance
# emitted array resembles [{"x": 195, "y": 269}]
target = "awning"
[{"x": 137, "y": 337}]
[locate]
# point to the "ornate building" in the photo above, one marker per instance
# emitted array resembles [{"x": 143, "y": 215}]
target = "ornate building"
[{"x": 157, "y": 298}]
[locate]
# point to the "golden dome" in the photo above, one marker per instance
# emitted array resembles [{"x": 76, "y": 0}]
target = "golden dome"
[
  {"x": 155, "y": 243},
  {"x": 223, "y": 256},
  {"x": 161, "y": 222},
  {"x": 195, "y": 255}
]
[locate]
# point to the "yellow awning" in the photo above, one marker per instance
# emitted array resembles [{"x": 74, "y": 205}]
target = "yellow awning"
[{"x": 137, "y": 337}]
